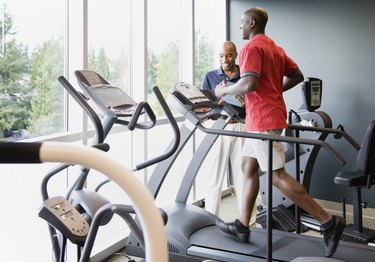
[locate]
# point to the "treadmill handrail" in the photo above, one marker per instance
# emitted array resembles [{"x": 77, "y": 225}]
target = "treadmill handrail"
[
  {"x": 323, "y": 144},
  {"x": 348, "y": 137}
]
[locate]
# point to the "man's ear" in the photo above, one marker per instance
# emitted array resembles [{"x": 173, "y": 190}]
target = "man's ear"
[{"x": 252, "y": 23}]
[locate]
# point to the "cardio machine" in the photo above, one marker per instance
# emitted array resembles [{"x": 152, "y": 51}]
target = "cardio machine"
[
  {"x": 120, "y": 109},
  {"x": 65, "y": 217},
  {"x": 191, "y": 231}
]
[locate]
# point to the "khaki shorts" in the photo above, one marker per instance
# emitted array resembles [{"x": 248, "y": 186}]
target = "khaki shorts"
[{"x": 258, "y": 149}]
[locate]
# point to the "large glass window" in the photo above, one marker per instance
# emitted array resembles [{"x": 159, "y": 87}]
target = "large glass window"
[
  {"x": 32, "y": 58},
  {"x": 109, "y": 52},
  {"x": 209, "y": 32},
  {"x": 134, "y": 45},
  {"x": 109, "y": 40},
  {"x": 163, "y": 44}
]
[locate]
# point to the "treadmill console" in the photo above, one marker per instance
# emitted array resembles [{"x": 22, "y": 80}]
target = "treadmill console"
[
  {"x": 111, "y": 99},
  {"x": 200, "y": 100},
  {"x": 312, "y": 94},
  {"x": 204, "y": 103}
]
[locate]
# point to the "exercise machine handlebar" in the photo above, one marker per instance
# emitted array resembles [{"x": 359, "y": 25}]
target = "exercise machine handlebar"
[
  {"x": 149, "y": 216},
  {"x": 339, "y": 132},
  {"x": 323, "y": 144},
  {"x": 88, "y": 109},
  {"x": 176, "y": 132},
  {"x": 137, "y": 112}
]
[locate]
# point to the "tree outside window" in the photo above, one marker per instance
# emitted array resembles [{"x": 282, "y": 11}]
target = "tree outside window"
[{"x": 31, "y": 100}]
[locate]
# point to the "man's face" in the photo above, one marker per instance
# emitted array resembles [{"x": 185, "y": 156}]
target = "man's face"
[
  {"x": 245, "y": 27},
  {"x": 227, "y": 58}
]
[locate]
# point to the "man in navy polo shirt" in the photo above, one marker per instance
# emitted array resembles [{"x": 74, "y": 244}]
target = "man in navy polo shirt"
[{"x": 226, "y": 152}]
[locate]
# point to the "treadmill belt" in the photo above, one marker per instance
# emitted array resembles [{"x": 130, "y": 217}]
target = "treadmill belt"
[{"x": 211, "y": 242}]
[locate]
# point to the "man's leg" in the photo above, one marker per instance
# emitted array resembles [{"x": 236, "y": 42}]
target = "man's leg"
[
  {"x": 332, "y": 226},
  {"x": 250, "y": 188},
  {"x": 235, "y": 158},
  {"x": 236, "y": 165},
  {"x": 239, "y": 228},
  {"x": 298, "y": 194},
  {"x": 217, "y": 173}
]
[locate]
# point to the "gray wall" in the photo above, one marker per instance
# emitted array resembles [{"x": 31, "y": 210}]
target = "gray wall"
[{"x": 333, "y": 40}]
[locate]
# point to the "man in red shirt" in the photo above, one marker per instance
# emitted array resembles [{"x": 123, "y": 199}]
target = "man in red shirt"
[{"x": 266, "y": 72}]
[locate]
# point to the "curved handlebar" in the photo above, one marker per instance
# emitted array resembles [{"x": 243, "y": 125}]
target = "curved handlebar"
[
  {"x": 103, "y": 147},
  {"x": 90, "y": 112},
  {"x": 176, "y": 131},
  {"x": 137, "y": 112},
  {"x": 150, "y": 217}
]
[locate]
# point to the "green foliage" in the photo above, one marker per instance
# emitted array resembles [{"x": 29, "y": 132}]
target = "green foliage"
[
  {"x": 8, "y": 25},
  {"x": 30, "y": 97},
  {"x": 47, "y": 108},
  {"x": 164, "y": 72},
  {"x": 99, "y": 64},
  {"x": 14, "y": 91},
  {"x": 167, "y": 67},
  {"x": 204, "y": 58},
  {"x": 120, "y": 72},
  {"x": 163, "y": 69},
  {"x": 151, "y": 71},
  {"x": 115, "y": 71}
]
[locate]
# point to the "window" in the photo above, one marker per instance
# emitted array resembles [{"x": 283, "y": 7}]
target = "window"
[
  {"x": 210, "y": 32},
  {"x": 163, "y": 44},
  {"x": 109, "y": 40},
  {"x": 133, "y": 44},
  {"x": 32, "y": 58}
]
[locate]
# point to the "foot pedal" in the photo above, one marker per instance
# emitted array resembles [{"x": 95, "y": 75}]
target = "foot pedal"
[{"x": 61, "y": 215}]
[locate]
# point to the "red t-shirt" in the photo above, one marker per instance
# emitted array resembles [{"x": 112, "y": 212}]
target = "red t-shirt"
[{"x": 265, "y": 107}]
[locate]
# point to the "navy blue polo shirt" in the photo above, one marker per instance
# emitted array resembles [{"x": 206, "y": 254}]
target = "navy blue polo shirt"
[{"x": 212, "y": 78}]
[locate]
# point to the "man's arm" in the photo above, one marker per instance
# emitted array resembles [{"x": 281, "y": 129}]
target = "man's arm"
[
  {"x": 246, "y": 84},
  {"x": 292, "y": 79}
]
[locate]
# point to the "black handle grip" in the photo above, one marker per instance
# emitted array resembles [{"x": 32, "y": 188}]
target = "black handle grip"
[
  {"x": 137, "y": 112},
  {"x": 22, "y": 153},
  {"x": 172, "y": 121},
  {"x": 103, "y": 147}
]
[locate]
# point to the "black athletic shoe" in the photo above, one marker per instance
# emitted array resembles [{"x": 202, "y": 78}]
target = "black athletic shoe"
[
  {"x": 232, "y": 228},
  {"x": 332, "y": 235}
]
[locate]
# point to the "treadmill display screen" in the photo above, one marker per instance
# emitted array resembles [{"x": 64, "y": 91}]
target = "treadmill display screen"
[{"x": 315, "y": 93}]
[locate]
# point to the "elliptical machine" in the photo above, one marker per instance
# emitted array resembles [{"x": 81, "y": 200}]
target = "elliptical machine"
[
  {"x": 66, "y": 218},
  {"x": 90, "y": 204}
]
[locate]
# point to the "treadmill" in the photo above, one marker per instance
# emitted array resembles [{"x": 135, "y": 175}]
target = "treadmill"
[{"x": 192, "y": 232}]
